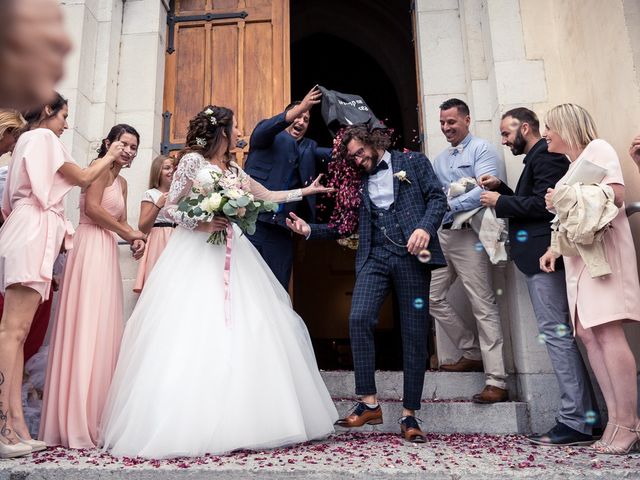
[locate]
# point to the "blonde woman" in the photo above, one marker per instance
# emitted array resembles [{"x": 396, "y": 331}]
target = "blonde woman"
[
  {"x": 11, "y": 126},
  {"x": 599, "y": 306},
  {"x": 154, "y": 219}
]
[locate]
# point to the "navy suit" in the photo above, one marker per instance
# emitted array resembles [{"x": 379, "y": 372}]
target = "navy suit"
[
  {"x": 380, "y": 264},
  {"x": 279, "y": 162}
]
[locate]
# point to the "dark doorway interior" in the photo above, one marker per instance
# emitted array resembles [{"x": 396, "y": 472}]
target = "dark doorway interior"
[{"x": 363, "y": 47}]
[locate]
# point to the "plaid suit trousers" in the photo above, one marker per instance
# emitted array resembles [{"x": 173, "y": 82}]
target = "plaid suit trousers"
[{"x": 411, "y": 280}]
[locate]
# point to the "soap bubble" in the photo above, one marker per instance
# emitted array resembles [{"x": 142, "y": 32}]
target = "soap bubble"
[
  {"x": 542, "y": 339},
  {"x": 522, "y": 236},
  {"x": 591, "y": 417},
  {"x": 562, "y": 329},
  {"x": 479, "y": 247},
  {"x": 499, "y": 291},
  {"x": 418, "y": 303},
  {"x": 424, "y": 256}
]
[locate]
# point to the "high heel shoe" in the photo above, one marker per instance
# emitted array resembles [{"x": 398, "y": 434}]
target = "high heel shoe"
[
  {"x": 13, "y": 451},
  {"x": 600, "y": 444},
  {"x": 610, "y": 449},
  {"x": 36, "y": 445}
]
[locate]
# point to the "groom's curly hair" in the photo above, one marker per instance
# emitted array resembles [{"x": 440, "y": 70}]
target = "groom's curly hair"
[
  {"x": 213, "y": 128},
  {"x": 378, "y": 138}
]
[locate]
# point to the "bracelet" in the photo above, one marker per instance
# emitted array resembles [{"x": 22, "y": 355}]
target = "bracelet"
[{"x": 159, "y": 208}]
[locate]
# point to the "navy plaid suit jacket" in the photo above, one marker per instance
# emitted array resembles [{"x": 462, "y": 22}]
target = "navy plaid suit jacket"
[{"x": 418, "y": 202}]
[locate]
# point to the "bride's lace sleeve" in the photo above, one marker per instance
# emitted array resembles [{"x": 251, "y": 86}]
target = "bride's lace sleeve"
[
  {"x": 275, "y": 196},
  {"x": 181, "y": 186}
]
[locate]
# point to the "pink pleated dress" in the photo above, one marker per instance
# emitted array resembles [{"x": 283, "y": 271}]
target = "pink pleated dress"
[
  {"x": 156, "y": 240},
  {"x": 87, "y": 332},
  {"x": 33, "y": 206}
]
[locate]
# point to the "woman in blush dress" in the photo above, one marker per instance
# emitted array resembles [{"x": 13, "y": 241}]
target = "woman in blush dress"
[
  {"x": 40, "y": 175},
  {"x": 89, "y": 324},
  {"x": 600, "y": 305},
  {"x": 191, "y": 380},
  {"x": 154, "y": 219}
]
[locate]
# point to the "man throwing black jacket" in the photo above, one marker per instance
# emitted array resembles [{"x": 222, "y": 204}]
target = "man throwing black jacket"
[{"x": 281, "y": 158}]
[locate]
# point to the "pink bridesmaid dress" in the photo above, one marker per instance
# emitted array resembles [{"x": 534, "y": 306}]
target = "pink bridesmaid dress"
[
  {"x": 87, "y": 332},
  {"x": 156, "y": 241},
  {"x": 33, "y": 206}
]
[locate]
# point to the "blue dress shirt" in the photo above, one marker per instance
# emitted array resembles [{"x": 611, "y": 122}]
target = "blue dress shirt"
[{"x": 477, "y": 158}]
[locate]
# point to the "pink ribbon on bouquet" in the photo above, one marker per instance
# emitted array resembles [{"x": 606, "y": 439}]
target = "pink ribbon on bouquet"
[{"x": 227, "y": 277}]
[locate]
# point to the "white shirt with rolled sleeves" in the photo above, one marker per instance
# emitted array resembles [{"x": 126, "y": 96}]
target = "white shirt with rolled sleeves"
[{"x": 478, "y": 157}]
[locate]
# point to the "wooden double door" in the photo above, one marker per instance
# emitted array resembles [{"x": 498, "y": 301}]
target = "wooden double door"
[{"x": 233, "y": 53}]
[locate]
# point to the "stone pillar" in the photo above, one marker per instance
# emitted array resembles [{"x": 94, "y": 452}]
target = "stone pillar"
[
  {"x": 139, "y": 101},
  {"x": 90, "y": 79},
  {"x": 474, "y": 50},
  {"x": 453, "y": 63}
]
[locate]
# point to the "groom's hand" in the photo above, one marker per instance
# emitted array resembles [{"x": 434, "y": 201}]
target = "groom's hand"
[
  {"x": 419, "y": 240},
  {"x": 298, "y": 225}
]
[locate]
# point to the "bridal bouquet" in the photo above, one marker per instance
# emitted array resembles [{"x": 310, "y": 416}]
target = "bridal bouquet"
[{"x": 215, "y": 194}]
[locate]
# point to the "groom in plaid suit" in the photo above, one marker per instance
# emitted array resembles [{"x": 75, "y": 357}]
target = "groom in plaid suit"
[{"x": 401, "y": 210}]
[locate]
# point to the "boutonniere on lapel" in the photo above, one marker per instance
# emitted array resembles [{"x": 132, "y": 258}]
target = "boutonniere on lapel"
[{"x": 402, "y": 176}]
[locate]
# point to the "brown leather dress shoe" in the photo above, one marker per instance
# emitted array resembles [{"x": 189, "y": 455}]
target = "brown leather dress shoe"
[
  {"x": 463, "y": 365},
  {"x": 411, "y": 431},
  {"x": 360, "y": 416},
  {"x": 491, "y": 394}
]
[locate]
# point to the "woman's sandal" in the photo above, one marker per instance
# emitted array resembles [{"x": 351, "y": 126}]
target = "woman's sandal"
[
  {"x": 600, "y": 444},
  {"x": 610, "y": 449}
]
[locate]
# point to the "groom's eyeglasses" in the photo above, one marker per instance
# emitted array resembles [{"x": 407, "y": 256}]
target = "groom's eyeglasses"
[{"x": 359, "y": 154}]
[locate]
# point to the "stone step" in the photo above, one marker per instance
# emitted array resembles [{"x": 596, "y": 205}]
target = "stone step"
[
  {"x": 451, "y": 417},
  {"x": 437, "y": 385}
]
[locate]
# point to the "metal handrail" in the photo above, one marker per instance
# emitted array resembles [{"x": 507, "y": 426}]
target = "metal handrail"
[{"x": 632, "y": 208}]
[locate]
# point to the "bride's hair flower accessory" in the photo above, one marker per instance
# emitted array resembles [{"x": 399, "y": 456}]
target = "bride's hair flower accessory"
[
  {"x": 202, "y": 142},
  {"x": 212, "y": 119}
]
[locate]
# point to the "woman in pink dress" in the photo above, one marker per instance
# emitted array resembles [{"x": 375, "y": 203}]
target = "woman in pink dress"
[
  {"x": 600, "y": 305},
  {"x": 154, "y": 219},
  {"x": 89, "y": 322},
  {"x": 40, "y": 175}
]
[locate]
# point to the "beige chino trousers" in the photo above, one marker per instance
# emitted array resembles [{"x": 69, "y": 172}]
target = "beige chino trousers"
[{"x": 467, "y": 260}]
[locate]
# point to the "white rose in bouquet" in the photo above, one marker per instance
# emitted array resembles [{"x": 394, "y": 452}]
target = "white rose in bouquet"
[
  {"x": 234, "y": 193},
  {"x": 214, "y": 201},
  {"x": 211, "y": 204}
]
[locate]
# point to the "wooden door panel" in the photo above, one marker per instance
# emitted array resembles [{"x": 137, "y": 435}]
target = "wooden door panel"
[
  {"x": 223, "y": 87},
  {"x": 189, "y": 86},
  {"x": 258, "y": 77},
  {"x": 191, "y": 5},
  {"x": 241, "y": 63}
]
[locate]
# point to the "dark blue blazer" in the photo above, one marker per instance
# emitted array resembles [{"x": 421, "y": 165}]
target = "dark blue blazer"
[
  {"x": 279, "y": 162},
  {"x": 418, "y": 204},
  {"x": 529, "y": 220}
]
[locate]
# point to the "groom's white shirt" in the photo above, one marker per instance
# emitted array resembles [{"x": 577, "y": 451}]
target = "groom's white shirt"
[{"x": 381, "y": 184}]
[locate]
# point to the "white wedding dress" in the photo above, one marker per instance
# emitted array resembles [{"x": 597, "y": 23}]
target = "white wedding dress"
[{"x": 186, "y": 383}]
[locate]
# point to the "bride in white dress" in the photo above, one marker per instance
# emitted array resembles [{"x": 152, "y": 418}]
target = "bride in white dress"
[{"x": 186, "y": 383}]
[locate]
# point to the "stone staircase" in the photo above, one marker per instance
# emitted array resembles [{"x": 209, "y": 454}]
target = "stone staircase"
[{"x": 446, "y": 405}]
